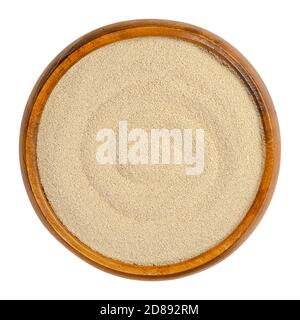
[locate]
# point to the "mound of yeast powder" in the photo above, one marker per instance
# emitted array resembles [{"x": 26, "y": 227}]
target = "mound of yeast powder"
[{"x": 150, "y": 214}]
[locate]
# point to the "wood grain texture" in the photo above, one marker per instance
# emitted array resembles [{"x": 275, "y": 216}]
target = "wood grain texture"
[{"x": 126, "y": 30}]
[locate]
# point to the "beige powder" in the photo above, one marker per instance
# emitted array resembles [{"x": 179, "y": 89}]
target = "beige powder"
[{"x": 150, "y": 214}]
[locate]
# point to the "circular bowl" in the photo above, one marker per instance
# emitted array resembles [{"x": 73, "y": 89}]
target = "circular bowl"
[{"x": 126, "y": 30}]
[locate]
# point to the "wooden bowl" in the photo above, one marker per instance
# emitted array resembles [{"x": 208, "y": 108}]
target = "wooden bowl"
[{"x": 126, "y": 30}]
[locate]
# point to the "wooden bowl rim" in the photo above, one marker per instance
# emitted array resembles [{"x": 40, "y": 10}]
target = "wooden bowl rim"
[{"x": 126, "y": 30}]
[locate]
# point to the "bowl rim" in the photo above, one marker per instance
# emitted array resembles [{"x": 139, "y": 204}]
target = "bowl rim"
[{"x": 126, "y": 30}]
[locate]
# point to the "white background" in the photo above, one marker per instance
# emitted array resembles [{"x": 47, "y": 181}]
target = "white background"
[{"x": 34, "y": 265}]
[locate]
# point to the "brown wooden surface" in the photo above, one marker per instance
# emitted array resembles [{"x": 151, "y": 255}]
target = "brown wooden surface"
[{"x": 126, "y": 30}]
